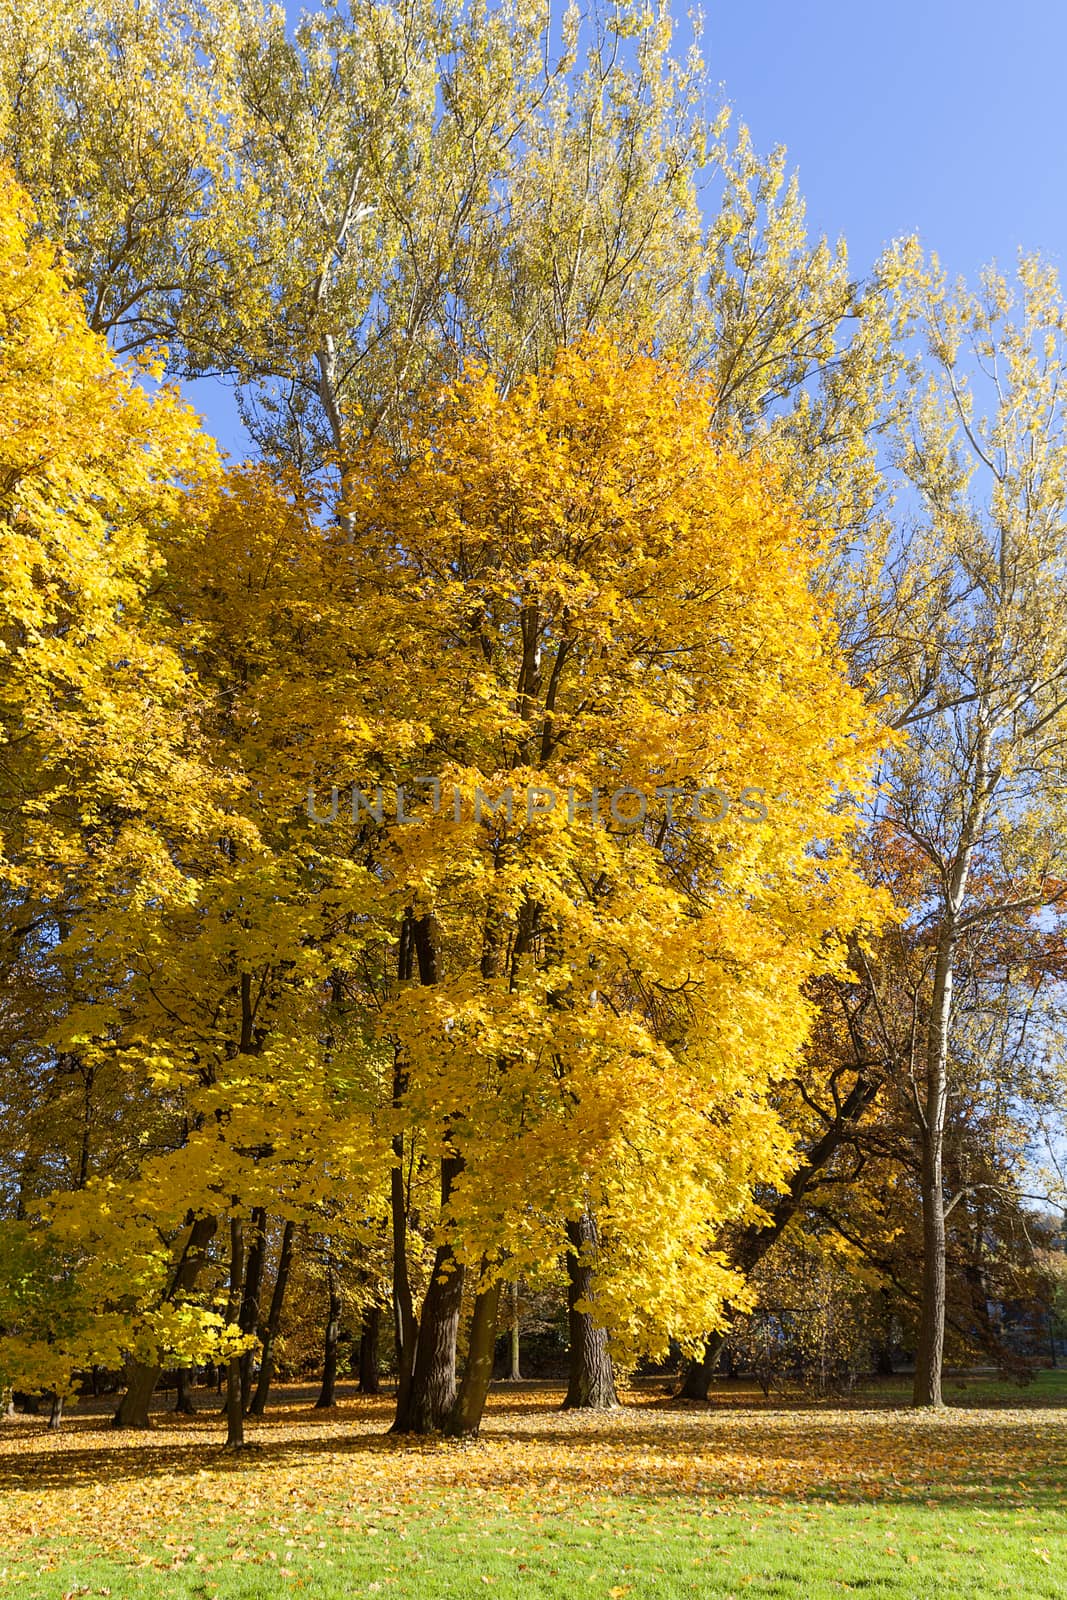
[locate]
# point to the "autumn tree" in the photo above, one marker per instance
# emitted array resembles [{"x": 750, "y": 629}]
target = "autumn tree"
[
  {"x": 330, "y": 215},
  {"x": 977, "y": 789},
  {"x": 192, "y": 1050},
  {"x": 103, "y": 767},
  {"x": 549, "y": 586}
]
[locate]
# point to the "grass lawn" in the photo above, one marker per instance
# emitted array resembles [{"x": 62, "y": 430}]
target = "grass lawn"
[{"x": 740, "y": 1498}]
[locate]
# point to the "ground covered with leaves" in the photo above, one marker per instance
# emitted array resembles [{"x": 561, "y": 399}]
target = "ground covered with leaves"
[{"x": 736, "y": 1498}]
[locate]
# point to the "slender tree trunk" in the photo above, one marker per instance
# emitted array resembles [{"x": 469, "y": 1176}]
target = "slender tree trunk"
[
  {"x": 466, "y": 1415},
  {"x": 433, "y": 1379},
  {"x": 235, "y": 1417},
  {"x": 55, "y": 1415},
  {"x": 327, "y": 1396},
  {"x": 929, "y": 1355},
  {"x": 369, "y": 1334},
  {"x": 183, "y": 1400},
  {"x": 269, "y": 1333},
  {"x": 132, "y": 1409},
  {"x": 427, "y": 1352},
  {"x": 249, "y": 1318},
  {"x": 592, "y": 1381},
  {"x": 514, "y": 1370},
  {"x": 405, "y": 1323}
]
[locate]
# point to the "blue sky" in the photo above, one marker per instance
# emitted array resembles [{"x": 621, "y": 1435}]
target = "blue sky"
[{"x": 944, "y": 118}]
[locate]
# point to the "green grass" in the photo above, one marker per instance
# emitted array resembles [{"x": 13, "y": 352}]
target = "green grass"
[
  {"x": 1046, "y": 1389},
  {"x": 806, "y": 1551},
  {"x": 882, "y": 1503}
]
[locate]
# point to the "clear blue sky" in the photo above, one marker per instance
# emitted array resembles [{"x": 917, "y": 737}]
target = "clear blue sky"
[{"x": 945, "y": 118}]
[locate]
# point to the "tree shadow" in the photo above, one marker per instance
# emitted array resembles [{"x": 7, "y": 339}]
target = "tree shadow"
[{"x": 527, "y": 1448}]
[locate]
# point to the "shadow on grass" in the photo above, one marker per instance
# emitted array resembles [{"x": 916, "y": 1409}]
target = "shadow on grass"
[{"x": 888, "y": 1455}]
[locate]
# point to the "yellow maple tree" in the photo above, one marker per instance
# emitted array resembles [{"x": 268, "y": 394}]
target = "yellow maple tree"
[{"x": 569, "y": 592}]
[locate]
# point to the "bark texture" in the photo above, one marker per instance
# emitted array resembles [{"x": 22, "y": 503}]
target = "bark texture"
[
  {"x": 133, "y": 1408},
  {"x": 235, "y": 1417},
  {"x": 269, "y": 1332},
  {"x": 432, "y": 1393},
  {"x": 369, "y": 1335},
  {"x": 591, "y": 1384},
  {"x": 466, "y": 1417},
  {"x": 253, "y": 1287},
  {"x": 327, "y": 1397}
]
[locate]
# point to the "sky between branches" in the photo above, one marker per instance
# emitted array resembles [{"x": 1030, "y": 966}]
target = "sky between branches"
[{"x": 941, "y": 117}]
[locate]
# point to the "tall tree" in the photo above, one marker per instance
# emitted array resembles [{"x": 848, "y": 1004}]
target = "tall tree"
[
  {"x": 977, "y": 788},
  {"x": 581, "y": 545}
]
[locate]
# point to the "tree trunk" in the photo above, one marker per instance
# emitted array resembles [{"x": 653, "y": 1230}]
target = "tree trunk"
[
  {"x": 235, "y": 1417},
  {"x": 327, "y": 1397},
  {"x": 269, "y": 1334},
  {"x": 433, "y": 1380},
  {"x": 466, "y": 1415},
  {"x": 368, "y": 1351},
  {"x": 592, "y": 1381},
  {"x": 132, "y": 1409},
  {"x": 55, "y": 1415},
  {"x": 249, "y": 1318},
  {"x": 183, "y": 1402},
  {"x": 929, "y": 1355},
  {"x": 514, "y": 1371},
  {"x": 696, "y": 1380},
  {"x": 405, "y": 1324}
]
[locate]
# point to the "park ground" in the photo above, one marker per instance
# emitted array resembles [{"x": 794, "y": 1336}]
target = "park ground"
[{"x": 741, "y": 1498}]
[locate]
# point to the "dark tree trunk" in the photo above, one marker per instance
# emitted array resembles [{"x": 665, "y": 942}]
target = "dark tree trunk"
[
  {"x": 433, "y": 1380},
  {"x": 369, "y": 1382},
  {"x": 249, "y": 1318},
  {"x": 696, "y": 1380},
  {"x": 269, "y": 1333},
  {"x": 235, "y": 1417},
  {"x": 327, "y": 1397},
  {"x": 55, "y": 1415},
  {"x": 466, "y": 1415},
  {"x": 133, "y": 1407},
  {"x": 405, "y": 1323},
  {"x": 591, "y": 1385},
  {"x": 416, "y": 948},
  {"x": 883, "y": 1362},
  {"x": 183, "y": 1402}
]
